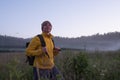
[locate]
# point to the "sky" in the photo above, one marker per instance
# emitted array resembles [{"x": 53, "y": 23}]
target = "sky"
[{"x": 69, "y": 18}]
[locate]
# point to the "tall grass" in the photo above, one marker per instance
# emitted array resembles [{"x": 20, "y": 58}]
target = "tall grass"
[{"x": 74, "y": 65}]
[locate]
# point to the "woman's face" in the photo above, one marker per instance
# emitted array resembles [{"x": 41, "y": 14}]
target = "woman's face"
[{"x": 47, "y": 28}]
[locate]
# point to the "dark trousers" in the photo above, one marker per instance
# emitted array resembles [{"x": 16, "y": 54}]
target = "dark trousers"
[
  {"x": 51, "y": 74},
  {"x": 35, "y": 74}
]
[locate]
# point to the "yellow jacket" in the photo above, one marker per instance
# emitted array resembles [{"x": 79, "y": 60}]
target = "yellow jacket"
[{"x": 35, "y": 49}]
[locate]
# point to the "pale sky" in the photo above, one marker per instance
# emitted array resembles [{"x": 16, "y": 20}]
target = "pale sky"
[{"x": 70, "y": 18}]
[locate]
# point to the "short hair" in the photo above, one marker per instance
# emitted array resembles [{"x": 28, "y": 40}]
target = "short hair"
[{"x": 45, "y": 23}]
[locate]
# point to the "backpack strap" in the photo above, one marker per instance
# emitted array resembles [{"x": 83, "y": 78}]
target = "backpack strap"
[
  {"x": 43, "y": 41},
  {"x": 43, "y": 44},
  {"x": 53, "y": 43}
]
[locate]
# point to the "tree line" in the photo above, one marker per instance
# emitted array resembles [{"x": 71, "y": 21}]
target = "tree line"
[{"x": 98, "y": 41}]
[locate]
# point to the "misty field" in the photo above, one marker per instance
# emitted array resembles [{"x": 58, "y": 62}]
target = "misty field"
[{"x": 73, "y": 64}]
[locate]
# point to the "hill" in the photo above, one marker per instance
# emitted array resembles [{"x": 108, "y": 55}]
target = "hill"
[{"x": 108, "y": 41}]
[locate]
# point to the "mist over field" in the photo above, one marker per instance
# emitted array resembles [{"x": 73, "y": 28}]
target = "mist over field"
[
  {"x": 105, "y": 42},
  {"x": 102, "y": 42}
]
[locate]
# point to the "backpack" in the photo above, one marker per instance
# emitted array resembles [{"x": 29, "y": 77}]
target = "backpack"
[{"x": 30, "y": 59}]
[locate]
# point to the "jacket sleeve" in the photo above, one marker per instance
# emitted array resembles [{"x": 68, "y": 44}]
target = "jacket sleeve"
[{"x": 34, "y": 48}]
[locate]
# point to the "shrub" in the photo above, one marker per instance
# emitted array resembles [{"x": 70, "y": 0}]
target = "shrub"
[{"x": 75, "y": 66}]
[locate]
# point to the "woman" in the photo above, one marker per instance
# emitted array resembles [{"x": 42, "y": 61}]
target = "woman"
[{"x": 43, "y": 66}]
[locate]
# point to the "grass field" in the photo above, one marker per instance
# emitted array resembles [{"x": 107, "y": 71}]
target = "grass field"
[{"x": 74, "y": 65}]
